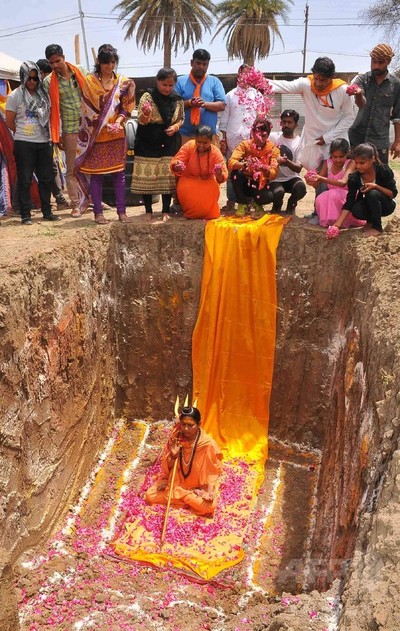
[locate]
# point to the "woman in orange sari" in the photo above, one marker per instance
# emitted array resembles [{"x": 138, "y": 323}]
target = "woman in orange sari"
[
  {"x": 197, "y": 469},
  {"x": 200, "y": 168},
  {"x": 254, "y": 163},
  {"x": 107, "y": 101}
]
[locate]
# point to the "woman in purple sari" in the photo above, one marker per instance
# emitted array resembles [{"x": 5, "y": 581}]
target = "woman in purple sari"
[{"x": 107, "y": 101}]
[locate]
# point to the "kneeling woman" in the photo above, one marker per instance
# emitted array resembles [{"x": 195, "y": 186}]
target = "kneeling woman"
[
  {"x": 198, "y": 468},
  {"x": 200, "y": 168}
]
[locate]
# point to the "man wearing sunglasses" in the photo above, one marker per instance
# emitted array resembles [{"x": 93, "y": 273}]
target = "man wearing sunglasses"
[
  {"x": 27, "y": 116},
  {"x": 64, "y": 86}
]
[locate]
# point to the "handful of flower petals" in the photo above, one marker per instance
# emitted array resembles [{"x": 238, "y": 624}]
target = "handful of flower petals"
[
  {"x": 254, "y": 167},
  {"x": 311, "y": 176},
  {"x": 332, "y": 232},
  {"x": 352, "y": 89},
  {"x": 181, "y": 166}
]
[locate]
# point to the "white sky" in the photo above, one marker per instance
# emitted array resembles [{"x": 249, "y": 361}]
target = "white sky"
[{"x": 335, "y": 30}]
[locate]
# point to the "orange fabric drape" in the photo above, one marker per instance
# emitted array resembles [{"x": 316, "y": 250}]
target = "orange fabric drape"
[
  {"x": 54, "y": 95},
  {"x": 233, "y": 357},
  {"x": 234, "y": 337},
  {"x": 195, "y": 111}
]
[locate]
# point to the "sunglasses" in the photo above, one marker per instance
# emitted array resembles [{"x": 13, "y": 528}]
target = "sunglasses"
[{"x": 33, "y": 79}]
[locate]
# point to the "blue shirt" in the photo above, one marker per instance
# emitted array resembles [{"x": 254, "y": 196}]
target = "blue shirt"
[{"x": 212, "y": 90}]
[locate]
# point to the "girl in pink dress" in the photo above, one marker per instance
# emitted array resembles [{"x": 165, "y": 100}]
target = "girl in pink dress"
[{"x": 334, "y": 172}]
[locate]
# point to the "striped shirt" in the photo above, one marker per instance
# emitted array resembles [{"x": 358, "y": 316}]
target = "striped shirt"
[{"x": 70, "y": 101}]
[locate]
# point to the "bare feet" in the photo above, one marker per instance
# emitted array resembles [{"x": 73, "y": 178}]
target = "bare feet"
[
  {"x": 148, "y": 216},
  {"x": 123, "y": 217},
  {"x": 371, "y": 232},
  {"x": 100, "y": 219}
]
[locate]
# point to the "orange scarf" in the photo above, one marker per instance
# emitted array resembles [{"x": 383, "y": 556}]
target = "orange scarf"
[
  {"x": 336, "y": 83},
  {"x": 54, "y": 94},
  {"x": 195, "y": 111}
]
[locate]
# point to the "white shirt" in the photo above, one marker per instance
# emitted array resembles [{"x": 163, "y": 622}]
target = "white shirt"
[
  {"x": 329, "y": 116},
  {"x": 27, "y": 126},
  {"x": 289, "y": 147},
  {"x": 236, "y": 120}
]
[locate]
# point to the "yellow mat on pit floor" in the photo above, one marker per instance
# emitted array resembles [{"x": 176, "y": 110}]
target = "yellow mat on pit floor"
[{"x": 233, "y": 354}]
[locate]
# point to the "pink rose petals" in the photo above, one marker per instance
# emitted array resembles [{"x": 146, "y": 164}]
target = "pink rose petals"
[
  {"x": 332, "y": 232},
  {"x": 311, "y": 176},
  {"x": 352, "y": 89},
  {"x": 255, "y": 100}
]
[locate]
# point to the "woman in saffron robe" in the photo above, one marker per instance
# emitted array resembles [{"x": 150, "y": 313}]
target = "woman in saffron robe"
[
  {"x": 198, "y": 467},
  {"x": 200, "y": 168},
  {"x": 107, "y": 101}
]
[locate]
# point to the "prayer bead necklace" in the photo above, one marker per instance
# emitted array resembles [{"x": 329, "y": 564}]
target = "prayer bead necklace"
[
  {"x": 188, "y": 464},
  {"x": 206, "y": 176}
]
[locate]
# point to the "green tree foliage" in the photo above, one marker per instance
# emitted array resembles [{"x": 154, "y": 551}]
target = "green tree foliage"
[
  {"x": 251, "y": 26},
  {"x": 168, "y": 24}
]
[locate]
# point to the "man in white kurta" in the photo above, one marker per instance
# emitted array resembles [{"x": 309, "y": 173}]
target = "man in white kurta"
[
  {"x": 328, "y": 108},
  {"x": 235, "y": 124}
]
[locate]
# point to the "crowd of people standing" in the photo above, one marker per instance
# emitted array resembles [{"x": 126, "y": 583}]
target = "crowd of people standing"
[{"x": 191, "y": 137}]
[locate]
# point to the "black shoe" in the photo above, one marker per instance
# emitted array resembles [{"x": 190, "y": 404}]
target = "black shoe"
[
  {"x": 51, "y": 217},
  {"x": 27, "y": 221}
]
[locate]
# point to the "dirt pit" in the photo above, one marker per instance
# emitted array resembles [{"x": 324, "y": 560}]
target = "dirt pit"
[{"x": 95, "y": 328}]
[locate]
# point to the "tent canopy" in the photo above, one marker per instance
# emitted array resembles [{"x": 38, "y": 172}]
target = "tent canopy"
[{"x": 9, "y": 67}]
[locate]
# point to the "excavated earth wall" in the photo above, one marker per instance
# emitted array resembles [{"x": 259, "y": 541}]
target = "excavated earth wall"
[{"x": 100, "y": 326}]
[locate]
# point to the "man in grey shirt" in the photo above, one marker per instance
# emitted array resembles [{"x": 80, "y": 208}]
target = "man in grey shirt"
[{"x": 378, "y": 99}]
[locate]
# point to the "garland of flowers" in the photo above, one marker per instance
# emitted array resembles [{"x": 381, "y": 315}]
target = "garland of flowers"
[{"x": 258, "y": 101}]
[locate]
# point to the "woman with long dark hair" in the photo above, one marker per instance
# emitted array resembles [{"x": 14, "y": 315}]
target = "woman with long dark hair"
[
  {"x": 107, "y": 102},
  {"x": 160, "y": 116},
  {"x": 196, "y": 472}
]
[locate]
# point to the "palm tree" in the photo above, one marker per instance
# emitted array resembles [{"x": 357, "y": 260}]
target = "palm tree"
[
  {"x": 170, "y": 24},
  {"x": 251, "y": 26}
]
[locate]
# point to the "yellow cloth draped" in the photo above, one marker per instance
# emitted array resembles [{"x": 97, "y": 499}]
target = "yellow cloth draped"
[
  {"x": 195, "y": 545},
  {"x": 233, "y": 356},
  {"x": 234, "y": 338}
]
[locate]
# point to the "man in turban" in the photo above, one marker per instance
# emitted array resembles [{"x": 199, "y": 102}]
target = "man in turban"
[{"x": 378, "y": 100}]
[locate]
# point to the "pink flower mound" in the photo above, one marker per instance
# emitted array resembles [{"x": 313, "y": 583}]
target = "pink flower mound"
[
  {"x": 260, "y": 102},
  {"x": 217, "y": 168},
  {"x": 352, "y": 89}
]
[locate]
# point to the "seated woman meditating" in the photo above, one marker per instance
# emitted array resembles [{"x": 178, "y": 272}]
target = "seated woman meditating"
[
  {"x": 253, "y": 164},
  {"x": 200, "y": 169},
  {"x": 198, "y": 468}
]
